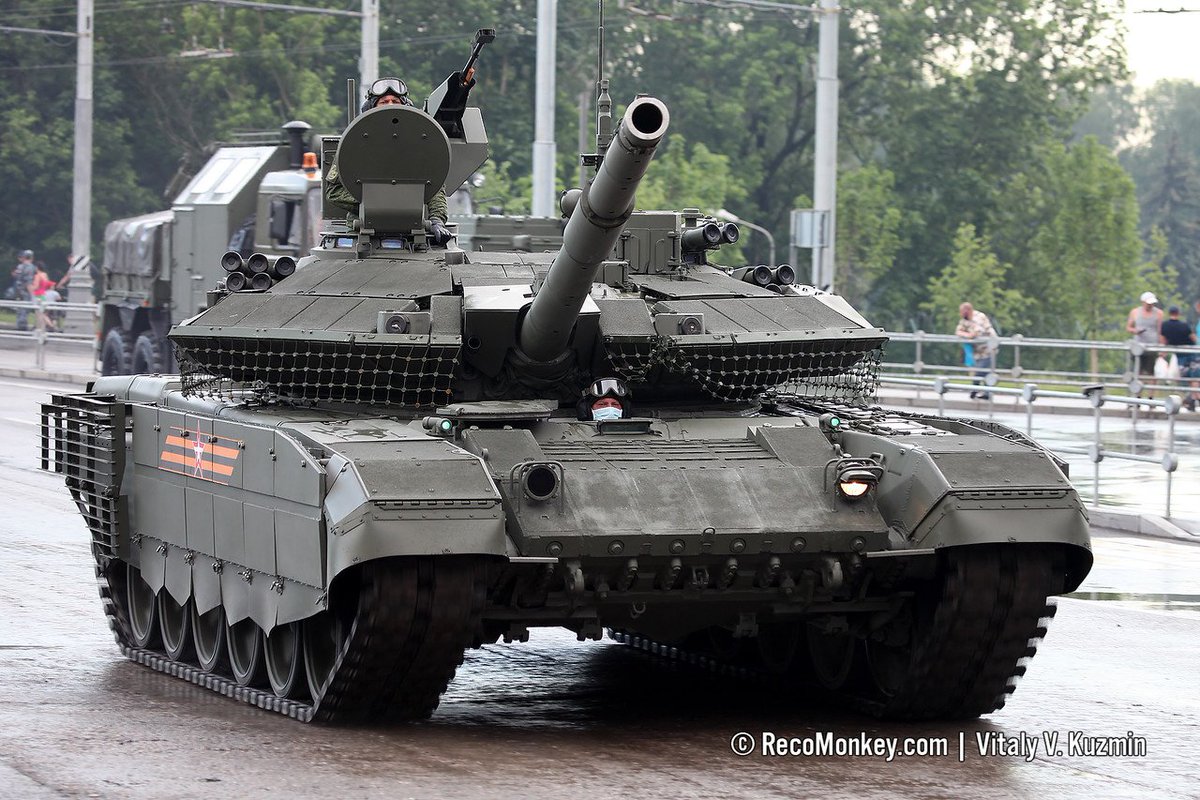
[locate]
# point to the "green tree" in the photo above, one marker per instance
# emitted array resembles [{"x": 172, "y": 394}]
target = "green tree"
[
  {"x": 1086, "y": 258},
  {"x": 689, "y": 175},
  {"x": 869, "y": 231},
  {"x": 974, "y": 275},
  {"x": 1163, "y": 164}
]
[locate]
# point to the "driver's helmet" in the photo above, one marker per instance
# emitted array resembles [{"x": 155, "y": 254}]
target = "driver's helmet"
[
  {"x": 392, "y": 86},
  {"x": 604, "y": 387}
]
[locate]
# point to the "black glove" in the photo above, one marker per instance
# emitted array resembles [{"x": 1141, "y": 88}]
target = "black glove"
[{"x": 438, "y": 232}]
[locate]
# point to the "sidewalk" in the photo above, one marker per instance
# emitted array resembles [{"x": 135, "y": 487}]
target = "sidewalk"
[{"x": 73, "y": 364}]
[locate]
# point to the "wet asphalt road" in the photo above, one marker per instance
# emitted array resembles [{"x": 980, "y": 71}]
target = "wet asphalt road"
[{"x": 559, "y": 718}]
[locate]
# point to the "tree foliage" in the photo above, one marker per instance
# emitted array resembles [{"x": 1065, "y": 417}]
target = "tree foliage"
[
  {"x": 974, "y": 275},
  {"x": 869, "y": 231},
  {"x": 1086, "y": 261},
  {"x": 946, "y": 106}
]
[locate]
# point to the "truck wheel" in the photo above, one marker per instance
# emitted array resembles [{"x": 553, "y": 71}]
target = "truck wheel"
[
  {"x": 116, "y": 357},
  {"x": 147, "y": 355}
]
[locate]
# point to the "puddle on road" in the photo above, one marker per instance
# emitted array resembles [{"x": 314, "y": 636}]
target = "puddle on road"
[{"x": 1151, "y": 602}]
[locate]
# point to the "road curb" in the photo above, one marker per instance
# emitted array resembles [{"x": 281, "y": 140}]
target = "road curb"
[
  {"x": 33, "y": 374},
  {"x": 1140, "y": 524}
]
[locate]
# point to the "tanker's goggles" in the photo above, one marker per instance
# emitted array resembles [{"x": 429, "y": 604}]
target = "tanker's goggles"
[
  {"x": 385, "y": 85},
  {"x": 607, "y": 387}
]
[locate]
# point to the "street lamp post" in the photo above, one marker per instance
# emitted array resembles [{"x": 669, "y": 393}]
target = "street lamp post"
[{"x": 729, "y": 216}]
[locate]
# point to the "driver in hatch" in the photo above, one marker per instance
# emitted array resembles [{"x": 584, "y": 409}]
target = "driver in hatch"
[{"x": 605, "y": 399}]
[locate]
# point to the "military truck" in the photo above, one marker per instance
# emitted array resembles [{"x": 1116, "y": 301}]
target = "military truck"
[{"x": 157, "y": 268}]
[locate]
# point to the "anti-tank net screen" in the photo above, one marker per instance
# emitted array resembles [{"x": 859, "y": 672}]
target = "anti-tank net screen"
[
  {"x": 843, "y": 371},
  {"x": 341, "y": 372}
]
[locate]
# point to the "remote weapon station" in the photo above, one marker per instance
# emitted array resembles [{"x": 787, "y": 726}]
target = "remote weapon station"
[{"x": 387, "y": 453}]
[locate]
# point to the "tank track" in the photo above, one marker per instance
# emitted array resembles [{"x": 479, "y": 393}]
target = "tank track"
[
  {"x": 372, "y": 678},
  {"x": 977, "y": 646}
]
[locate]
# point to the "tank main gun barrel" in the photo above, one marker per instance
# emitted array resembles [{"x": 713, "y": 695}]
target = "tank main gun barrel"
[{"x": 593, "y": 230}]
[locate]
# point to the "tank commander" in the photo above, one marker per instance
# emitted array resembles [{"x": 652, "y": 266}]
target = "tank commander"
[
  {"x": 384, "y": 92},
  {"x": 605, "y": 399}
]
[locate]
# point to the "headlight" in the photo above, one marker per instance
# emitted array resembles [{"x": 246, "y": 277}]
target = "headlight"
[
  {"x": 853, "y": 483},
  {"x": 855, "y": 477}
]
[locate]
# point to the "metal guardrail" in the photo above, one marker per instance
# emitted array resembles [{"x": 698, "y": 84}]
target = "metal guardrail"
[
  {"x": 39, "y": 335},
  {"x": 1096, "y": 396},
  {"x": 1017, "y": 344}
]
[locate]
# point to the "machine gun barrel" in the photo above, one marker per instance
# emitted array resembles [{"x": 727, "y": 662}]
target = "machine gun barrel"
[{"x": 593, "y": 230}]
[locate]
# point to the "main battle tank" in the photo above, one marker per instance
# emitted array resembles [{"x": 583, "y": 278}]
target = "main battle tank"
[{"x": 377, "y": 462}]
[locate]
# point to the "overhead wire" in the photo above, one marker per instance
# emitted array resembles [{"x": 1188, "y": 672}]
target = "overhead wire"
[{"x": 425, "y": 40}]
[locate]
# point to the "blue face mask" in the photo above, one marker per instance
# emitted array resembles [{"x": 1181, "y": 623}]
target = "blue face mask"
[{"x": 601, "y": 414}]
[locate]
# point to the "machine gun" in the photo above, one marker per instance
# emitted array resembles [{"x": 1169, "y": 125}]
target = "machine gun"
[{"x": 448, "y": 101}]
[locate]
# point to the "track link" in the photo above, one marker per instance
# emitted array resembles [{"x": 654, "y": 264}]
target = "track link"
[{"x": 413, "y": 620}]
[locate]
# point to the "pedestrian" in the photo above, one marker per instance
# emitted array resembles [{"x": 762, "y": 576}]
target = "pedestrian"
[
  {"x": 975, "y": 327},
  {"x": 1177, "y": 333},
  {"x": 42, "y": 292},
  {"x": 1144, "y": 323},
  {"x": 22, "y": 278}
]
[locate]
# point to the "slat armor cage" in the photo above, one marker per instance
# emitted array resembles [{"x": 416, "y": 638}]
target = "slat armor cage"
[{"x": 83, "y": 439}]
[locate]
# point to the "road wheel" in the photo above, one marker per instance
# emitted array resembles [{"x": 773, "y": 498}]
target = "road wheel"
[
  {"x": 285, "y": 660},
  {"x": 175, "y": 626},
  {"x": 208, "y": 636},
  {"x": 245, "y": 640},
  {"x": 323, "y": 640},
  {"x": 831, "y": 656},
  {"x": 777, "y": 645},
  {"x": 147, "y": 355},
  {"x": 116, "y": 356},
  {"x": 142, "y": 607}
]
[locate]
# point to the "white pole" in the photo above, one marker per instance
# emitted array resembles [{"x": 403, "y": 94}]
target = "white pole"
[
  {"x": 543, "y": 134},
  {"x": 368, "y": 62},
  {"x": 825, "y": 148},
  {"x": 81, "y": 200}
]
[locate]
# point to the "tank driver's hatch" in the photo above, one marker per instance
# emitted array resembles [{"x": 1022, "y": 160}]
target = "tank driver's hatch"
[{"x": 393, "y": 160}]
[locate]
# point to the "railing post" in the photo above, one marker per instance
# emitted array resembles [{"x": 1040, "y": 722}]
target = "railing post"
[
  {"x": 917, "y": 363},
  {"x": 1171, "y": 460},
  {"x": 1096, "y": 395},
  {"x": 1029, "y": 394},
  {"x": 1016, "y": 340},
  {"x": 939, "y": 386},
  {"x": 39, "y": 335}
]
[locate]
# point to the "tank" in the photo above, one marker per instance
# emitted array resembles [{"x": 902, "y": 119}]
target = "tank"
[{"x": 382, "y": 460}]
